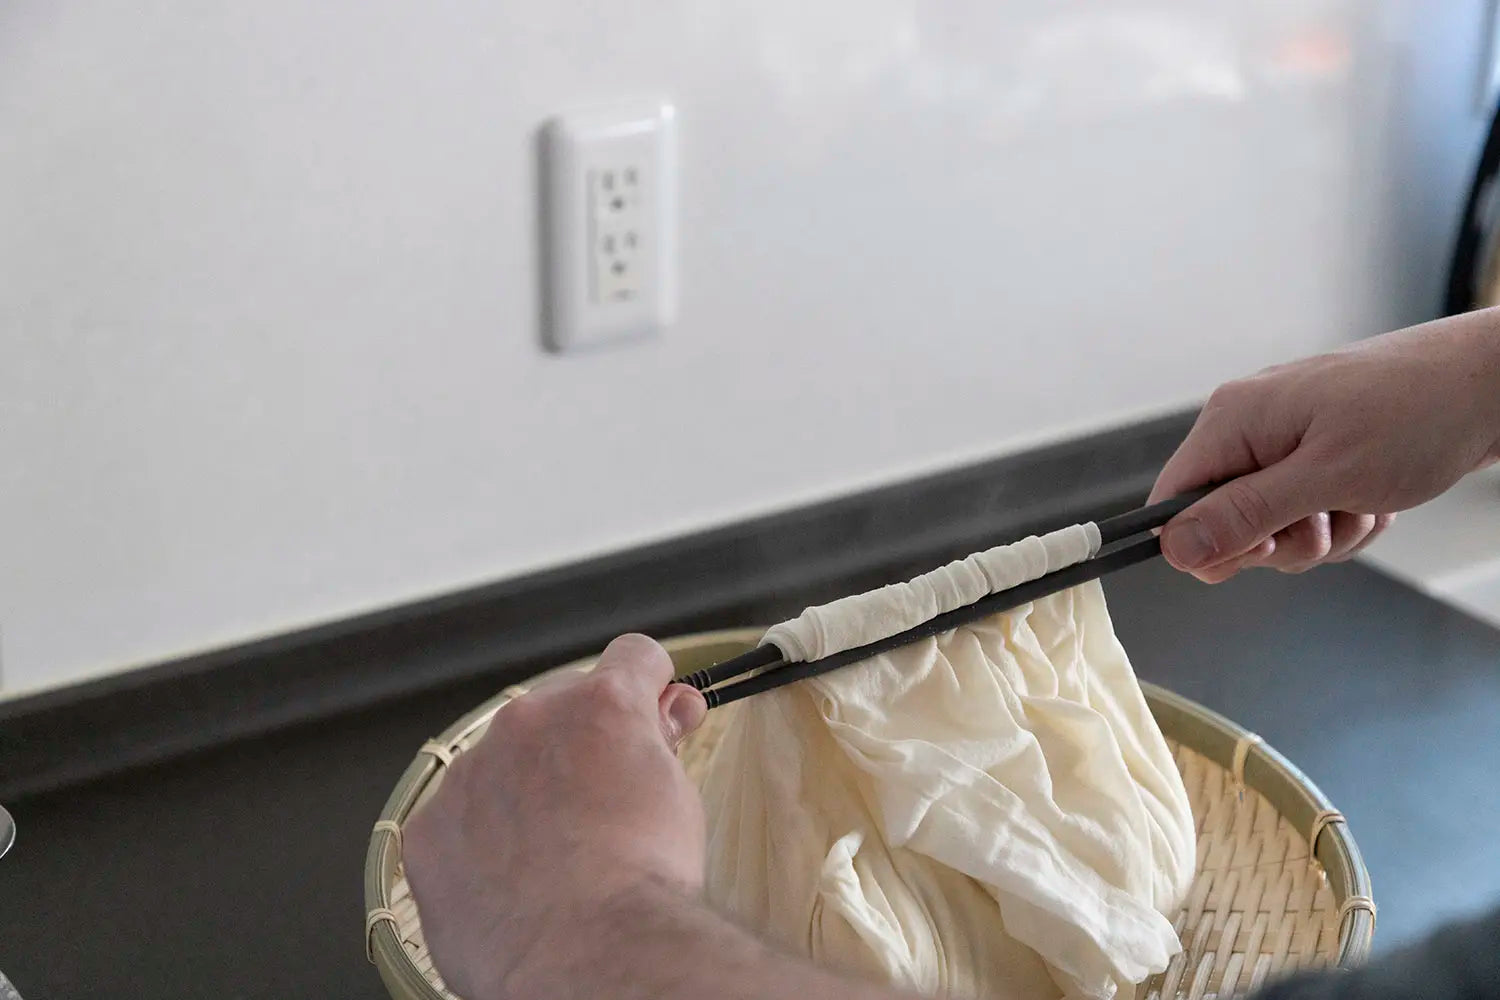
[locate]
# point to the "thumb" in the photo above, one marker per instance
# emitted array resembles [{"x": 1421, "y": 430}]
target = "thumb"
[
  {"x": 1241, "y": 514},
  {"x": 682, "y": 709},
  {"x": 639, "y": 665}
]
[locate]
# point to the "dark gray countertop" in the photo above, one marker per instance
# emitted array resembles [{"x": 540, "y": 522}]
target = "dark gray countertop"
[{"x": 237, "y": 872}]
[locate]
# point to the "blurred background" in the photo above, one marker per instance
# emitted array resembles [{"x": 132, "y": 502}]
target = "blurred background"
[
  {"x": 286, "y": 333},
  {"x": 271, "y": 310}
]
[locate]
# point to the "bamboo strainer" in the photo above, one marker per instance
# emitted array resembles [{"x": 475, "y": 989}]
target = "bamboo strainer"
[{"x": 1280, "y": 883}]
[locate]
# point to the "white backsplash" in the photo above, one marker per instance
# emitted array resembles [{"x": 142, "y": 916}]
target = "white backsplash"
[{"x": 268, "y": 322}]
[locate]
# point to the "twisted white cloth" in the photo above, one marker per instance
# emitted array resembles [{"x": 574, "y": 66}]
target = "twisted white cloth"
[
  {"x": 872, "y": 616},
  {"x": 992, "y": 812}
]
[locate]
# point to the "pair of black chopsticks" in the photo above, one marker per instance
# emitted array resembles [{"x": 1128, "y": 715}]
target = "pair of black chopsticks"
[{"x": 1116, "y": 551}]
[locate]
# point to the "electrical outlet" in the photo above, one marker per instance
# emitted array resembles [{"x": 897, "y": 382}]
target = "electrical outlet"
[
  {"x": 615, "y": 207},
  {"x": 610, "y": 222}
]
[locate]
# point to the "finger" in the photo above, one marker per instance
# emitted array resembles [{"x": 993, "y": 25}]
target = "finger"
[
  {"x": 1349, "y": 533},
  {"x": 1224, "y": 570},
  {"x": 1239, "y": 515},
  {"x": 1214, "y": 450},
  {"x": 639, "y": 665},
  {"x": 1241, "y": 428},
  {"x": 1302, "y": 544},
  {"x": 1382, "y": 522},
  {"x": 682, "y": 710},
  {"x": 1221, "y": 571},
  {"x": 1260, "y": 554}
]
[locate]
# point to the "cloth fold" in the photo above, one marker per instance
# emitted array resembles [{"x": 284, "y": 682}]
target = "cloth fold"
[{"x": 990, "y": 812}]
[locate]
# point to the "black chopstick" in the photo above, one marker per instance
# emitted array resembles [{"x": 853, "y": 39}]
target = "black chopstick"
[
  {"x": 1143, "y": 519},
  {"x": 1112, "y": 556},
  {"x": 1005, "y": 600}
]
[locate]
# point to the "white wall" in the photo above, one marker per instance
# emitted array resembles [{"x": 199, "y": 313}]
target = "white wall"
[{"x": 267, "y": 272}]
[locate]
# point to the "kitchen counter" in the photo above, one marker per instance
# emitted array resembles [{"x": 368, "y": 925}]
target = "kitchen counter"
[{"x": 237, "y": 872}]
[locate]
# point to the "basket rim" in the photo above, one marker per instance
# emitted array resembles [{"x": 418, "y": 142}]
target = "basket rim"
[
  {"x": 1295, "y": 796},
  {"x": 1298, "y": 800}
]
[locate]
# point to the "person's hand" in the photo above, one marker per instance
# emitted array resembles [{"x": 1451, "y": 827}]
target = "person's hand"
[
  {"x": 573, "y": 796},
  {"x": 1317, "y": 456}
]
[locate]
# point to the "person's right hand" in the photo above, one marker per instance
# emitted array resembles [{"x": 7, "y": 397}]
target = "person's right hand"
[
  {"x": 573, "y": 800},
  {"x": 1317, "y": 456}
]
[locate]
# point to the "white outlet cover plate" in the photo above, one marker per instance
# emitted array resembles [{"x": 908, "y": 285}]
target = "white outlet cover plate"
[{"x": 576, "y": 148}]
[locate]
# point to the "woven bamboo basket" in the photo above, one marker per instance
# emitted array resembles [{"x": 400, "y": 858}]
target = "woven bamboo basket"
[{"x": 1280, "y": 884}]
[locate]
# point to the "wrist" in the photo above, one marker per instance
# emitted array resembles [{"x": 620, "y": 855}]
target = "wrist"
[
  {"x": 1470, "y": 348},
  {"x": 595, "y": 938},
  {"x": 1482, "y": 345},
  {"x": 651, "y": 940},
  {"x": 1484, "y": 334}
]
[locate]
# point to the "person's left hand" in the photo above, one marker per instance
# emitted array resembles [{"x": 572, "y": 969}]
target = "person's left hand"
[{"x": 573, "y": 796}]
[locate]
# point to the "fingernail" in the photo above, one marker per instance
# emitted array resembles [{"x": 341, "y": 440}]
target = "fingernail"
[
  {"x": 1188, "y": 544},
  {"x": 686, "y": 709}
]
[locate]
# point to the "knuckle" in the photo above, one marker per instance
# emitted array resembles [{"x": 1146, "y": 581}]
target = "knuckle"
[
  {"x": 609, "y": 691},
  {"x": 1247, "y": 509},
  {"x": 1225, "y": 397}
]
